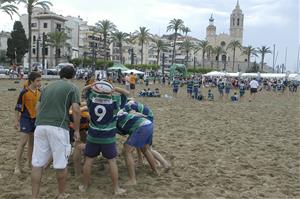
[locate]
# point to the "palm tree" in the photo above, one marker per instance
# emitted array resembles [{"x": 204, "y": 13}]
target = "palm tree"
[
  {"x": 186, "y": 30},
  {"x": 105, "y": 27},
  {"x": 176, "y": 25},
  {"x": 120, "y": 38},
  {"x": 142, "y": 36},
  {"x": 218, "y": 50},
  {"x": 7, "y": 7},
  {"x": 58, "y": 40},
  {"x": 161, "y": 46},
  {"x": 30, "y": 5},
  {"x": 234, "y": 44},
  {"x": 203, "y": 46},
  {"x": 187, "y": 46},
  {"x": 249, "y": 51},
  {"x": 263, "y": 51}
]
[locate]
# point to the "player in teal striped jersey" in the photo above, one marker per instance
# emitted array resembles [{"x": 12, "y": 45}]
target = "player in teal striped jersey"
[
  {"x": 103, "y": 107},
  {"x": 140, "y": 108},
  {"x": 140, "y": 131},
  {"x": 175, "y": 86},
  {"x": 189, "y": 86}
]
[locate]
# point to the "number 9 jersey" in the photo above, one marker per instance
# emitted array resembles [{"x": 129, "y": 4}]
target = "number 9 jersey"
[{"x": 103, "y": 111}]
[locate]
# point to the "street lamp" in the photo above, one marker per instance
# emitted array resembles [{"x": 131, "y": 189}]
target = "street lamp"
[{"x": 38, "y": 49}]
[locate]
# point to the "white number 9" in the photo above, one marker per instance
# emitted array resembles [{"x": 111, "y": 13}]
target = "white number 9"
[{"x": 102, "y": 114}]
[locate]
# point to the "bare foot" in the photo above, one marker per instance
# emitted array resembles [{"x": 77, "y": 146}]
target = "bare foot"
[
  {"x": 119, "y": 191},
  {"x": 17, "y": 171},
  {"x": 82, "y": 188},
  {"x": 131, "y": 183},
  {"x": 63, "y": 196}
]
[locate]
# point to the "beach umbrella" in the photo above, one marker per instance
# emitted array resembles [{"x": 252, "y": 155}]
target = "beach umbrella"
[{"x": 215, "y": 74}]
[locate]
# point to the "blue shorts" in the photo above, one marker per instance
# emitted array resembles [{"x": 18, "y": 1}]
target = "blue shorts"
[
  {"x": 227, "y": 90},
  {"x": 189, "y": 90},
  {"x": 242, "y": 93},
  {"x": 175, "y": 90},
  {"x": 221, "y": 92},
  {"x": 109, "y": 151},
  {"x": 142, "y": 136},
  {"x": 27, "y": 125}
]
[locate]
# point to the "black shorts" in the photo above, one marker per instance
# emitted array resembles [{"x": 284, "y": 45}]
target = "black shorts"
[
  {"x": 253, "y": 90},
  {"x": 132, "y": 86},
  {"x": 27, "y": 125}
]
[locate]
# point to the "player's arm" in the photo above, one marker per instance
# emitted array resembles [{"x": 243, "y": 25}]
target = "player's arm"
[
  {"x": 76, "y": 118},
  {"x": 121, "y": 91},
  {"x": 18, "y": 109}
]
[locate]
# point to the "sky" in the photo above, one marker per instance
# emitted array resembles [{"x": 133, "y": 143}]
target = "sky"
[{"x": 267, "y": 22}]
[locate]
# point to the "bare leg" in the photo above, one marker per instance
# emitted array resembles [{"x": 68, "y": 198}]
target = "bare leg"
[
  {"x": 77, "y": 157},
  {"x": 130, "y": 164},
  {"x": 61, "y": 176},
  {"x": 19, "y": 152},
  {"x": 140, "y": 156},
  {"x": 36, "y": 175},
  {"x": 160, "y": 159},
  {"x": 113, "y": 169},
  {"x": 146, "y": 151},
  {"x": 30, "y": 149},
  {"x": 87, "y": 169}
]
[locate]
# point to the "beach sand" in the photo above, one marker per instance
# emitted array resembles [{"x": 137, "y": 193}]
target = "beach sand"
[{"x": 218, "y": 150}]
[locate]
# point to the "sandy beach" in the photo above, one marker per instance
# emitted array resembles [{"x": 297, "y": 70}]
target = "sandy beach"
[{"x": 218, "y": 150}]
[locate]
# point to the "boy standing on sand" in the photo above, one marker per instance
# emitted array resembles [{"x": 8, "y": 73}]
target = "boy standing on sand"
[
  {"x": 175, "y": 86},
  {"x": 25, "y": 117},
  {"x": 102, "y": 130}
]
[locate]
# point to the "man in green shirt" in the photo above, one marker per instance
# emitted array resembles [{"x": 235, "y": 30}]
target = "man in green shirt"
[{"x": 52, "y": 132}]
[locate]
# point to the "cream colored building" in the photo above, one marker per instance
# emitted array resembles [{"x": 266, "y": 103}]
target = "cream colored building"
[
  {"x": 44, "y": 22},
  {"x": 236, "y": 30}
]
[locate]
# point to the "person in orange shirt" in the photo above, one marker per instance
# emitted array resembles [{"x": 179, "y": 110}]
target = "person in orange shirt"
[
  {"x": 25, "y": 117},
  {"x": 132, "y": 81}
]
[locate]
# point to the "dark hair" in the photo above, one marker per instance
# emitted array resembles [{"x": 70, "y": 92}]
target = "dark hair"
[
  {"x": 67, "y": 72},
  {"x": 33, "y": 76}
]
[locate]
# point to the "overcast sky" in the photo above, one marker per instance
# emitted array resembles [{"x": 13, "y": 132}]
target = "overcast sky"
[{"x": 267, "y": 22}]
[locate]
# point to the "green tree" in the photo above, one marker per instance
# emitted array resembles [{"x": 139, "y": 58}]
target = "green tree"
[
  {"x": 30, "y": 5},
  {"x": 160, "y": 46},
  {"x": 58, "y": 40},
  {"x": 203, "y": 47},
  {"x": 186, "y": 30},
  {"x": 263, "y": 51},
  {"x": 187, "y": 46},
  {"x": 120, "y": 38},
  {"x": 142, "y": 36},
  {"x": 233, "y": 45},
  {"x": 8, "y": 7},
  {"x": 249, "y": 51},
  {"x": 218, "y": 50},
  {"x": 175, "y": 25},
  {"x": 105, "y": 27},
  {"x": 17, "y": 45}
]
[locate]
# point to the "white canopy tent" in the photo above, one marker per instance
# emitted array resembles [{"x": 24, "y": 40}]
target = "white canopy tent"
[
  {"x": 232, "y": 74},
  {"x": 294, "y": 76},
  {"x": 273, "y": 75},
  {"x": 133, "y": 71},
  {"x": 249, "y": 75},
  {"x": 215, "y": 74}
]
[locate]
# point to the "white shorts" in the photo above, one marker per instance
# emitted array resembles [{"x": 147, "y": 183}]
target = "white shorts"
[{"x": 51, "y": 141}]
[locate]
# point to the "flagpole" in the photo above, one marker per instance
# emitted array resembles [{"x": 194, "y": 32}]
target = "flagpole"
[
  {"x": 285, "y": 58},
  {"x": 298, "y": 58},
  {"x": 274, "y": 59}
]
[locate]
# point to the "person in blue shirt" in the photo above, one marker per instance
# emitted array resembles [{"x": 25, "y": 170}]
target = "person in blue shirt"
[
  {"x": 210, "y": 96},
  {"x": 189, "y": 87},
  {"x": 228, "y": 87},
  {"x": 242, "y": 88},
  {"x": 234, "y": 98},
  {"x": 196, "y": 87}
]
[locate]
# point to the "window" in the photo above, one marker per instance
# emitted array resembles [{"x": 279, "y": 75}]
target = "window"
[
  {"x": 45, "y": 25},
  {"x": 238, "y": 22},
  {"x": 58, "y": 27},
  {"x": 46, "y": 51},
  {"x": 34, "y": 25},
  {"x": 33, "y": 50},
  {"x": 233, "y": 21},
  {"x": 34, "y": 38}
]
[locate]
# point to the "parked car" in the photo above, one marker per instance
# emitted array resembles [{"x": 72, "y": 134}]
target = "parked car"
[
  {"x": 4, "y": 70},
  {"x": 61, "y": 65},
  {"x": 52, "y": 71}
]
